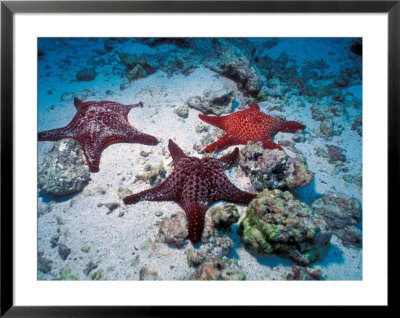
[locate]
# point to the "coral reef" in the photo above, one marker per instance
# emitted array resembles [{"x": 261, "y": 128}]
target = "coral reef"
[
  {"x": 275, "y": 222},
  {"x": 63, "y": 170},
  {"x": 273, "y": 169}
]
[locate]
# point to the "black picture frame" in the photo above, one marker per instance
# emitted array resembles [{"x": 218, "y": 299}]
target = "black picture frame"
[{"x": 8, "y": 8}]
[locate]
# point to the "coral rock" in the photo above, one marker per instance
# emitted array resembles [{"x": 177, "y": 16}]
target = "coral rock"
[
  {"x": 223, "y": 217},
  {"x": 335, "y": 154},
  {"x": 64, "y": 170},
  {"x": 217, "y": 269},
  {"x": 182, "y": 112},
  {"x": 236, "y": 66},
  {"x": 342, "y": 214},
  {"x": 146, "y": 274},
  {"x": 86, "y": 74},
  {"x": 275, "y": 222},
  {"x": 304, "y": 273},
  {"x": 173, "y": 230},
  {"x": 64, "y": 251},
  {"x": 214, "y": 102},
  {"x": 273, "y": 169}
]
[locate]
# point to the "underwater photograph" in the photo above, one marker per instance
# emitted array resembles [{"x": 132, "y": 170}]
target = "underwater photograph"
[{"x": 199, "y": 159}]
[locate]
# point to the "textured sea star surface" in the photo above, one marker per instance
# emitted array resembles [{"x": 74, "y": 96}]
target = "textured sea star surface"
[
  {"x": 249, "y": 124},
  {"x": 195, "y": 183},
  {"x": 97, "y": 125}
]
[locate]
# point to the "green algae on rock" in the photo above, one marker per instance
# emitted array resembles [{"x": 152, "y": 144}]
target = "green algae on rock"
[
  {"x": 273, "y": 169},
  {"x": 64, "y": 170},
  {"x": 275, "y": 222}
]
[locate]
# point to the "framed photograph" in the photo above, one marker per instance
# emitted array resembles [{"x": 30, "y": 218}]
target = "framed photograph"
[{"x": 162, "y": 155}]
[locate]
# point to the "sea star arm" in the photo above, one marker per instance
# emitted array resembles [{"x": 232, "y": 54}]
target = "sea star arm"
[
  {"x": 55, "y": 134},
  {"x": 77, "y": 103},
  {"x": 92, "y": 154},
  {"x": 228, "y": 160},
  {"x": 222, "y": 143},
  {"x": 290, "y": 126},
  {"x": 122, "y": 109},
  {"x": 229, "y": 192},
  {"x": 195, "y": 215},
  {"x": 269, "y": 144},
  {"x": 176, "y": 152},
  {"x": 162, "y": 192},
  {"x": 223, "y": 121},
  {"x": 254, "y": 107},
  {"x": 116, "y": 107},
  {"x": 218, "y": 121},
  {"x": 127, "y": 133}
]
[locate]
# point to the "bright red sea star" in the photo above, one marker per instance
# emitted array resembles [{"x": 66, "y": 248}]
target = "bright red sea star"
[
  {"x": 195, "y": 183},
  {"x": 249, "y": 124},
  {"x": 97, "y": 125}
]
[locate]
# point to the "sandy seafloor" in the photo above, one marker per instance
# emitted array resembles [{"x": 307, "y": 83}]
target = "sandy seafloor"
[{"x": 119, "y": 238}]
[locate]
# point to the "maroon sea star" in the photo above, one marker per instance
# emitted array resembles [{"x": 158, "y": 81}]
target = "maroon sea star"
[
  {"x": 249, "y": 124},
  {"x": 97, "y": 125},
  {"x": 195, "y": 183}
]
